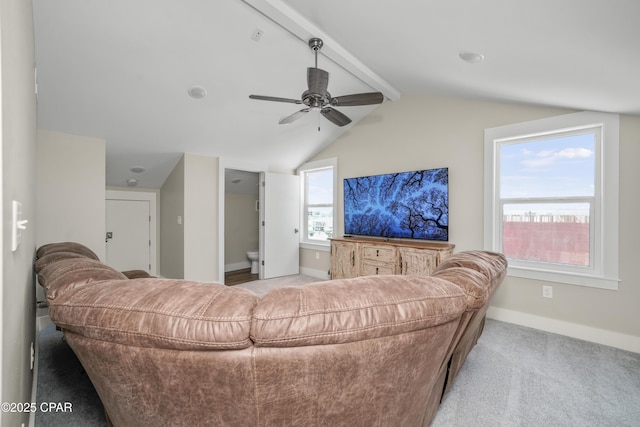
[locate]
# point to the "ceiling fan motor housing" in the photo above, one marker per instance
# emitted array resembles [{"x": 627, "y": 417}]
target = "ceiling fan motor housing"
[{"x": 317, "y": 95}]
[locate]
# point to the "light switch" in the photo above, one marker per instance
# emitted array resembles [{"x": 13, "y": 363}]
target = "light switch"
[{"x": 18, "y": 224}]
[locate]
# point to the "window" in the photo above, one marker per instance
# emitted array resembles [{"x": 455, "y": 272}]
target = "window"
[
  {"x": 318, "y": 202},
  {"x": 551, "y": 198}
]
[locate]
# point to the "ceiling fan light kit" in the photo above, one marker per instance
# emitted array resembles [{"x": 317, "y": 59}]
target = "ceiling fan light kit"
[{"x": 316, "y": 97}]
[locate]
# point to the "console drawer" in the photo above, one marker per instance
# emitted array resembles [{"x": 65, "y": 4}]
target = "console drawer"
[
  {"x": 375, "y": 268},
  {"x": 379, "y": 253}
]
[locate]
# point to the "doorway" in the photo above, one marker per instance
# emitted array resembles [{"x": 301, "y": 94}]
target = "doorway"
[
  {"x": 241, "y": 224},
  {"x": 277, "y": 207}
]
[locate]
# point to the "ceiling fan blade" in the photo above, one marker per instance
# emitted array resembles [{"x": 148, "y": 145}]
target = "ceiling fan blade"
[
  {"x": 276, "y": 99},
  {"x": 357, "y": 99},
  {"x": 317, "y": 80},
  {"x": 295, "y": 116},
  {"x": 335, "y": 116}
]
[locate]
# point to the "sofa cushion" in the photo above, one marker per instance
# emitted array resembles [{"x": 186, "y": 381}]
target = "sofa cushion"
[
  {"x": 161, "y": 313},
  {"x": 473, "y": 283},
  {"x": 54, "y": 257},
  {"x": 492, "y": 264},
  {"x": 347, "y": 310},
  {"x": 75, "y": 247},
  {"x": 72, "y": 273},
  {"x": 136, "y": 274}
]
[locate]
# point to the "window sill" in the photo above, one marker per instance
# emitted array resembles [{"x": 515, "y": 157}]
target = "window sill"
[
  {"x": 564, "y": 277},
  {"x": 316, "y": 246}
]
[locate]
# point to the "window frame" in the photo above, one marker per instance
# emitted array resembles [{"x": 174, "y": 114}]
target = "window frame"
[
  {"x": 302, "y": 171},
  {"x": 603, "y": 269}
]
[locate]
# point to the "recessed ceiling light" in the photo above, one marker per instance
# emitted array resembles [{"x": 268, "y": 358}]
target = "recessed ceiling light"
[
  {"x": 471, "y": 57},
  {"x": 236, "y": 180},
  {"x": 197, "y": 92},
  {"x": 132, "y": 182},
  {"x": 137, "y": 169}
]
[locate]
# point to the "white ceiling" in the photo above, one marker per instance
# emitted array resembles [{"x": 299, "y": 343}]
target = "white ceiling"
[{"x": 120, "y": 69}]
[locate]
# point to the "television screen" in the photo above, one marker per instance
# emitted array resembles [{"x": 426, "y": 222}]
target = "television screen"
[{"x": 412, "y": 205}]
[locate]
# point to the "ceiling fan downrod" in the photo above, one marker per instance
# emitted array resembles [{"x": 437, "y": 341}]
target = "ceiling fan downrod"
[{"x": 315, "y": 44}]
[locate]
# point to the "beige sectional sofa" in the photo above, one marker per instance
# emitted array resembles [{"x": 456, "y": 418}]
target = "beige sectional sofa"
[{"x": 367, "y": 351}]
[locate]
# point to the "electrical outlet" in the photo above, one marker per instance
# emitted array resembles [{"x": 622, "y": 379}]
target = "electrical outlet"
[
  {"x": 547, "y": 291},
  {"x": 317, "y": 255}
]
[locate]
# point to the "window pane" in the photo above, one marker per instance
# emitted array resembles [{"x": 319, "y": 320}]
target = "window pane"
[
  {"x": 554, "y": 167},
  {"x": 319, "y": 223},
  {"x": 552, "y": 232},
  {"x": 320, "y": 187}
]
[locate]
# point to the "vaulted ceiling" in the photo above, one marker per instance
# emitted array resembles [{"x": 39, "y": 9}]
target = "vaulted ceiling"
[{"x": 120, "y": 70}]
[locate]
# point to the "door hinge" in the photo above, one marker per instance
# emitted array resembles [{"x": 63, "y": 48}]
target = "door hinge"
[
  {"x": 262, "y": 262},
  {"x": 149, "y": 243}
]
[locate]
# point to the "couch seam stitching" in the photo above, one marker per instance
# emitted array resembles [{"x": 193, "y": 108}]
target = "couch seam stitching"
[
  {"x": 156, "y": 337},
  {"x": 211, "y": 299},
  {"x": 354, "y": 308},
  {"x": 342, "y": 333},
  {"x": 137, "y": 310}
]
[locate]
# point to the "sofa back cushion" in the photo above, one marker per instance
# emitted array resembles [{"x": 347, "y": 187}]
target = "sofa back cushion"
[
  {"x": 74, "y": 247},
  {"x": 161, "y": 313},
  {"x": 69, "y": 274},
  {"x": 492, "y": 264},
  {"x": 474, "y": 284},
  {"x": 347, "y": 310},
  {"x": 44, "y": 264}
]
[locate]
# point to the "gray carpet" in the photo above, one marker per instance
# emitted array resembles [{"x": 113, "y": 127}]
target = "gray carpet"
[
  {"x": 515, "y": 376},
  {"x": 61, "y": 379}
]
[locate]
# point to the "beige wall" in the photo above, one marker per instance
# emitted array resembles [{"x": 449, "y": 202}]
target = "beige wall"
[
  {"x": 171, "y": 232},
  {"x": 427, "y": 132},
  {"x": 71, "y": 190},
  {"x": 200, "y": 218},
  {"x": 18, "y": 182},
  {"x": 241, "y": 228},
  {"x": 316, "y": 263}
]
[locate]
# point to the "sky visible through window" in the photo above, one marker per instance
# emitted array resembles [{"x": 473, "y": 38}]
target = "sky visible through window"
[
  {"x": 320, "y": 187},
  {"x": 554, "y": 167}
]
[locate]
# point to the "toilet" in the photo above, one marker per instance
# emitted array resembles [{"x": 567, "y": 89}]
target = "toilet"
[{"x": 253, "y": 257}]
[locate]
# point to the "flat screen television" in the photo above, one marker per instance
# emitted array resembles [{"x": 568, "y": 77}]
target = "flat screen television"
[{"x": 407, "y": 205}]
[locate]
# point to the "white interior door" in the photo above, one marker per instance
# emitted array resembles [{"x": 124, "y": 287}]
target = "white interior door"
[
  {"x": 279, "y": 227},
  {"x": 128, "y": 235}
]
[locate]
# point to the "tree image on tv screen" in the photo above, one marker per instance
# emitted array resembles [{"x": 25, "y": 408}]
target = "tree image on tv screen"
[{"x": 404, "y": 205}]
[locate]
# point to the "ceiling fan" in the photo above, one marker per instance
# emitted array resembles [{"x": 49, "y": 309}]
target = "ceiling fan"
[{"x": 316, "y": 97}]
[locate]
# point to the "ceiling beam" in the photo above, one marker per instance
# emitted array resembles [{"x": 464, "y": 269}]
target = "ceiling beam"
[{"x": 285, "y": 16}]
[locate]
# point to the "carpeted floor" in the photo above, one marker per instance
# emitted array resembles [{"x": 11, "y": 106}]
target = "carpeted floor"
[
  {"x": 61, "y": 379},
  {"x": 515, "y": 376}
]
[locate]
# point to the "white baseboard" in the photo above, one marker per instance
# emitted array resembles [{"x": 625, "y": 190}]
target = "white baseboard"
[
  {"x": 320, "y": 274},
  {"x": 237, "y": 266},
  {"x": 561, "y": 327}
]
